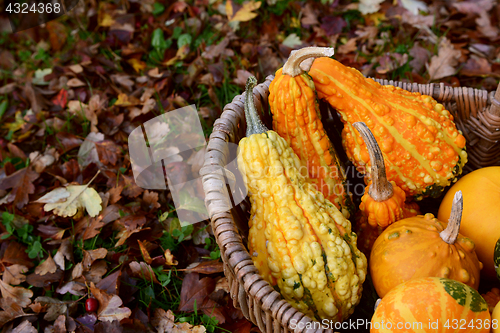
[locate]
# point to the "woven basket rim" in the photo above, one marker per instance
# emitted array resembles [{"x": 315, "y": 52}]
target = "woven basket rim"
[{"x": 234, "y": 253}]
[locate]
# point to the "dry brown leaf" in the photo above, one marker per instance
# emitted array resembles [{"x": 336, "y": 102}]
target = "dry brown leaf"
[
  {"x": 54, "y": 307},
  {"x": 16, "y": 254},
  {"x": 11, "y": 311},
  {"x": 75, "y": 83},
  {"x": 21, "y": 296},
  {"x": 145, "y": 252},
  {"x": 65, "y": 251},
  {"x": 485, "y": 27},
  {"x": 169, "y": 258},
  {"x": 348, "y": 47},
  {"x": 473, "y": 6},
  {"x": 13, "y": 275},
  {"x": 150, "y": 198},
  {"x": 72, "y": 287},
  {"x": 92, "y": 255},
  {"x": 25, "y": 327},
  {"x": 77, "y": 271},
  {"x": 109, "y": 306},
  {"x": 21, "y": 182},
  {"x": 309, "y": 16},
  {"x": 164, "y": 322},
  {"x": 443, "y": 64},
  {"x": 48, "y": 266},
  {"x": 96, "y": 272},
  {"x": 143, "y": 270}
]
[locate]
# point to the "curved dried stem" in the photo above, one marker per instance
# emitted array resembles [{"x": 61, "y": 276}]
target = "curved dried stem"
[
  {"x": 380, "y": 188},
  {"x": 292, "y": 66},
  {"x": 254, "y": 124},
  {"x": 450, "y": 234}
]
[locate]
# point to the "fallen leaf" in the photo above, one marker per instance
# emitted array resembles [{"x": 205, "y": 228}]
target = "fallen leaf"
[
  {"x": 143, "y": 271},
  {"x": 64, "y": 251},
  {"x": 206, "y": 267},
  {"x": 12, "y": 310},
  {"x": 111, "y": 283},
  {"x": 474, "y": 6},
  {"x": 476, "y": 66},
  {"x": 169, "y": 258},
  {"x": 25, "y": 327},
  {"x": 333, "y": 25},
  {"x": 44, "y": 281},
  {"x": 60, "y": 324},
  {"x": 91, "y": 225},
  {"x": 420, "y": 56},
  {"x": 66, "y": 201},
  {"x": 72, "y": 287},
  {"x": 292, "y": 41},
  {"x": 61, "y": 98},
  {"x": 443, "y": 64},
  {"x": 414, "y": 6},
  {"x": 48, "y": 266},
  {"x": 18, "y": 294},
  {"x": 68, "y": 141},
  {"x": 14, "y": 274},
  {"x": 309, "y": 16},
  {"x": 369, "y": 6},
  {"x": 92, "y": 255},
  {"x": 22, "y": 186},
  {"x": 109, "y": 306},
  {"x": 88, "y": 153},
  {"x": 137, "y": 64},
  {"x": 485, "y": 27},
  {"x": 96, "y": 272},
  {"x": 41, "y": 161},
  {"x": 196, "y": 290},
  {"x": 75, "y": 83},
  {"x": 242, "y": 77},
  {"x": 77, "y": 271},
  {"x": 150, "y": 198},
  {"x": 144, "y": 252},
  {"x": 16, "y": 254},
  {"x": 245, "y": 13},
  {"x": 164, "y": 322},
  {"x": 55, "y": 307},
  {"x": 108, "y": 152},
  {"x": 348, "y": 47}
]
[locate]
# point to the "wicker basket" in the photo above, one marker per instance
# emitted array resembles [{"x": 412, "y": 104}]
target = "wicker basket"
[{"x": 476, "y": 112}]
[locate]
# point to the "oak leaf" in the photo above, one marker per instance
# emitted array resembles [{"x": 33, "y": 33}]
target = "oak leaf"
[{"x": 443, "y": 64}]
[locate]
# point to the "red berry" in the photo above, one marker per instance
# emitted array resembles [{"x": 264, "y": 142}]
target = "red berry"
[{"x": 91, "y": 305}]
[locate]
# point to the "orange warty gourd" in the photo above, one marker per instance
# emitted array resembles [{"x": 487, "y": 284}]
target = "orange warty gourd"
[
  {"x": 481, "y": 215},
  {"x": 383, "y": 202},
  {"x": 296, "y": 118},
  {"x": 495, "y": 317},
  {"x": 423, "y": 246},
  {"x": 423, "y": 150},
  {"x": 431, "y": 305}
]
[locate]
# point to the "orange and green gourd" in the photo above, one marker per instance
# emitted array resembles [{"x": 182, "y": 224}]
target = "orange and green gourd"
[
  {"x": 296, "y": 118},
  {"x": 423, "y": 150},
  {"x": 423, "y": 246},
  {"x": 298, "y": 240},
  {"x": 383, "y": 202},
  {"x": 431, "y": 305}
]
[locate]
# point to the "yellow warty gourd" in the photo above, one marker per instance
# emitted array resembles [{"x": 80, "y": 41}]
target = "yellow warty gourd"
[{"x": 299, "y": 241}]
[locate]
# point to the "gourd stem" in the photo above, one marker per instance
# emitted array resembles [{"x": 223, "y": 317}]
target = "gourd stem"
[
  {"x": 254, "y": 124},
  {"x": 450, "y": 234},
  {"x": 292, "y": 65},
  {"x": 380, "y": 188}
]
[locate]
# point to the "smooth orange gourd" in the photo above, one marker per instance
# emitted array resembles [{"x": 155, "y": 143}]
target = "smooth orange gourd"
[
  {"x": 431, "y": 305},
  {"x": 296, "y": 118},
  {"x": 481, "y": 215},
  {"x": 423, "y": 246},
  {"x": 423, "y": 150}
]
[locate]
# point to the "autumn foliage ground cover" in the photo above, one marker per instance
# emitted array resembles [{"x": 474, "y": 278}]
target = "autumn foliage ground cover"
[{"x": 72, "y": 90}]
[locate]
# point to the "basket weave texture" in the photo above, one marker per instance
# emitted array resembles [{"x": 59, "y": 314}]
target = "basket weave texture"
[{"x": 476, "y": 113}]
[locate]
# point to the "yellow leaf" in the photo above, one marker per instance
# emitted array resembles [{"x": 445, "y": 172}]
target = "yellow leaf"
[
  {"x": 122, "y": 100},
  {"x": 246, "y": 12},
  {"x": 138, "y": 65},
  {"x": 229, "y": 9},
  {"x": 67, "y": 201}
]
